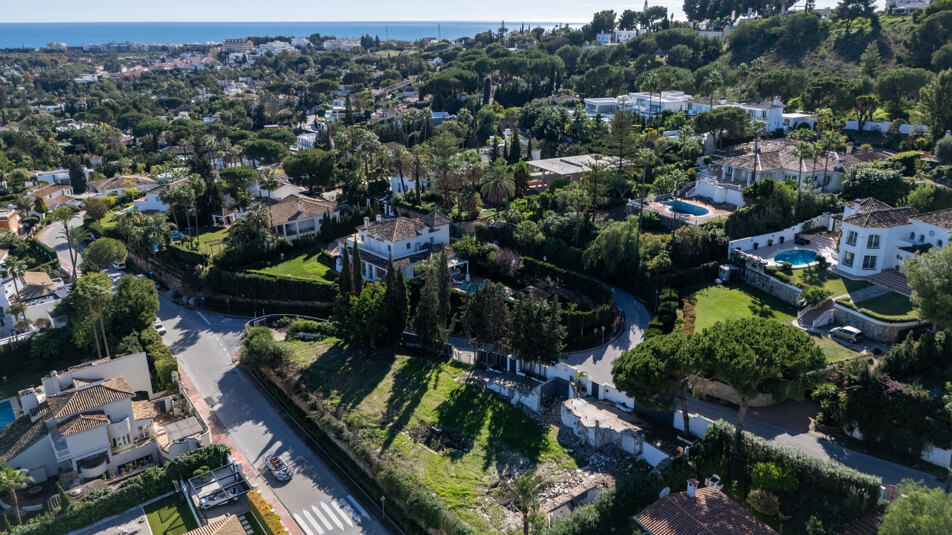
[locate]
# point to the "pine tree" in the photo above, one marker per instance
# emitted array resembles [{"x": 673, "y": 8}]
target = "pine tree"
[
  {"x": 357, "y": 278},
  {"x": 398, "y": 304},
  {"x": 871, "y": 62},
  {"x": 346, "y": 273}
]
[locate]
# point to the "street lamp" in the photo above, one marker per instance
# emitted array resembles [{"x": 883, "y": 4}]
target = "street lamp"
[
  {"x": 603, "y": 334},
  {"x": 383, "y": 508}
]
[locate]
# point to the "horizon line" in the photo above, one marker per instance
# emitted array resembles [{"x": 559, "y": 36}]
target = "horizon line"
[{"x": 434, "y": 21}]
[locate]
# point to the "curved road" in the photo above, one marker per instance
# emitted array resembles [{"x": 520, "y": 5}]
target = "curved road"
[{"x": 52, "y": 235}]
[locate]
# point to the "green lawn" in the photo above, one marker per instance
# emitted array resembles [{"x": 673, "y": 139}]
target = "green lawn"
[
  {"x": 209, "y": 240},
  {"x": 713, "y": 303},
  {"x": 890, "y": 304},
  {"x": 827, "y": 280},
  {"x": 383, "y": 396},
  {"x": 305, "y": 266},
  {"x": 170, "y": 516}
]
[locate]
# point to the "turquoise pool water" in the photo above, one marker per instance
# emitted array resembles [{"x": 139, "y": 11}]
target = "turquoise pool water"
[
  {"x": 471, "y": 287},
  {"x": 6, "y": 414},
  {"x": 797, "y": 257},
  {"x": 686, "y": 208}
]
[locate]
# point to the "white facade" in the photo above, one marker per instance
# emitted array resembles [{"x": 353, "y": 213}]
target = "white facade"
[
  {"x": 870, "y": 244},
  {"x": 401, "y": 185},
  {"x": 306, "y": 140},
  {"x": 407, "y": 241}
]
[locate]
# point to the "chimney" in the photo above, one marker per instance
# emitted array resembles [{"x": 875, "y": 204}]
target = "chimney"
[
  {"x": 300, "y": 205},
  {"x": 379, "y": 218},
  {"x": 692, "y": 488},
  {"x": 366, "y": 223},
  {"x": 721, "y": 101},
  {"x": 849, "y": 148},
  {"x": 776, "y": 101},
  {"x": 28, "y": 400}
]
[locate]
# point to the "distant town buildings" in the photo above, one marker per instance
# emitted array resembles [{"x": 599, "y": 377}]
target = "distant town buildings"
[{"x": 230, "y": 46}]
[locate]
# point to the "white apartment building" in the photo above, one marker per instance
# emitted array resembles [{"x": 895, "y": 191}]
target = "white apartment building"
[
  {"x": 236, "y": 46},
  {"x": 876, "y": 236},
  {"x": 409, "y": 242},
  {"x": 96, "y": 418}
]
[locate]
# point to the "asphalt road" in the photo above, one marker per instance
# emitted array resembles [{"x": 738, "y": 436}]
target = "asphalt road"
[
  {"x": 52, "y": 235},
  {"x": 319, "y": 502}
]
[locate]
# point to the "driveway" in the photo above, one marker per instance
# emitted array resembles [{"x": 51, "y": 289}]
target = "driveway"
[
  {"x": 52, "y": 235},
  {"x": 597, "y": 363}
]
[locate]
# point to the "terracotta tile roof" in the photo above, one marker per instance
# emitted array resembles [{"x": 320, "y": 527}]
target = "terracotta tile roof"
[
  {"x": 888, "y": 218},
  {"x": 710, "y": 512},
  {"x": 84, "y": 421},
  {"x": 778, "y": 154},
  {"x": 36, "y": 284},
  {"x": 89, "y": 397},
  {"x": 47, "y": 190},
  {"x": 404, "y": 228},
  {"x": 58, "y": 200},
  {"x": 868, "y": 204},
  {"x": 23, "y": 433},
  {"x": 226, "y": 525},
  {"x": 300, "y": 207},
  {"x": 142, "y": 410},
  {"x": 396, "y": 229},
  {"x": 939, "y": 218}
]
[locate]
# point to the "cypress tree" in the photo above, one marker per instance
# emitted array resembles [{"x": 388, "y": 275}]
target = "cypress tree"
[
  {"x": 343, "y": 282},
  {"x": 514, "y": 148},
  {"x": 357, "y": 278},
  {"x": 444, "y": 287},
  {"x": 398, "y": 304},
  {"x": 529, "y": 148}
]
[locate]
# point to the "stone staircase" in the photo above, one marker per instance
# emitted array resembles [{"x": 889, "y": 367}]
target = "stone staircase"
[
  {"x": 806, "y": 319},
  {"x": 892, "y": 279}
]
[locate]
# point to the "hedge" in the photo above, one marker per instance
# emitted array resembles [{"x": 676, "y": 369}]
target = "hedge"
[
  {"x": 828, "y": 489},
  {"x": 150, "y": 484},
  {"x": 189, "y": 258},
  {"x": 161, "y": 358},
  {"x": 680, "y": 278},
  {"x": 848, "y": 303},
  {"x": 270, "y": 521},
  {"x": 258, "y": 285},
  {"x": 567, "y": 278}
]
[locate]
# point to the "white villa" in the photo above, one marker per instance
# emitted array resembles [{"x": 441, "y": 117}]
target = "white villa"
[
  {"x": 400, "y": 185},
  {"x": 96, "y": 418},
  {"x": 769, "y": 112},
  {"x": 876, "y": 236},
  {"x": 408, "y": 241},
  {"x": 118, "y": 185}
]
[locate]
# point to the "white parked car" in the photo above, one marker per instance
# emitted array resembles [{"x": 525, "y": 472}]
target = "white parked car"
[
  {"x": 848, "y": 333},
  {"x": 159, "y": 327},
  {"x": 119, "y": 265}
]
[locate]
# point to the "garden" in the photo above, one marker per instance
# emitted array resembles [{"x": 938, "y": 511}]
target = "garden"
[
  {"x": 170, "y": 516},
  {"x": 891, "y": 307},
  {"x": 713, "y": 303}
]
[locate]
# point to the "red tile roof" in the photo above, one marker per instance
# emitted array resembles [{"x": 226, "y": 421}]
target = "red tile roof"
[{"x": 710, "y": 512}]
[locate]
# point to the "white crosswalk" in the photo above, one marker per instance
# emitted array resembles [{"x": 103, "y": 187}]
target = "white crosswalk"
[{"x": 324, "y": 517}]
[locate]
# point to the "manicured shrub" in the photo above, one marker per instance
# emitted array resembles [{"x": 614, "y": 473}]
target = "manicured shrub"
[{"x": 261, "y": 510}]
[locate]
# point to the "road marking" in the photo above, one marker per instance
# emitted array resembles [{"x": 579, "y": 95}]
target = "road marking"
[
  {"x": 203, "y": 317},
  {"x": 357, "y": 506},
  {"x": 341, "y": 512},
  {"x": 331, "y": 514},
  {"x": 321, "y": 516},
  {"x": 304, "y": 525},
  {"x": 314, "y": 523}
]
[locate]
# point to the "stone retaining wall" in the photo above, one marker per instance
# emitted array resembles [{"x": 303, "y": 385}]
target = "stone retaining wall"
[
  {"x": 874, "y": 329},
  {"x": 779, "y": 289}
]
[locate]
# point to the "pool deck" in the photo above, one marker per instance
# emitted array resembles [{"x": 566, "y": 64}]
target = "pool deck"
[
  {"x": 713, "y": 211},
  {"x": 822, "y": 244}
]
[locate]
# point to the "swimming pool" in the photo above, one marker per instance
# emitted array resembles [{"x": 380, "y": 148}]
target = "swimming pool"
[
  {"x": 797, "y": 257},
  {"x": 6, "y": 414},
  {"x": 686, "y": 208},
  {"x": 471, "y": 287}
]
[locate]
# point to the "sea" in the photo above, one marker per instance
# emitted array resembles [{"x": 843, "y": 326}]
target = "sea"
[{"x": 37, "y": 35}]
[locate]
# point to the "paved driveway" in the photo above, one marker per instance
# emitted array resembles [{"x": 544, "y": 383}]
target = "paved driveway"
[{"x": 597, "y": 363}]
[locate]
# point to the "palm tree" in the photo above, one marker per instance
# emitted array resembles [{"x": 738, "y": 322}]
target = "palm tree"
[
  {"x": 15, "y": 268},
  {"x": 268, "y": 181},
  {"x": 75, "y": 236},
  {"x": 524, "y": 492},
  {"x": 497, "y": 184},
  {"x": 172, "y": 196},
  {"x": 196, "y": 185},
  {"x": 643, "y": 158},
  {"x": 802, "y": 151},
  {"x": 155, "y": 232},
  {"x": 14, "y": 479},
  {"x": 63, "y": 215}
]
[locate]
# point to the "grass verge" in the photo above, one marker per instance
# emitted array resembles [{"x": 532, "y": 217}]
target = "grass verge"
[{"x": 170, "y": 516}]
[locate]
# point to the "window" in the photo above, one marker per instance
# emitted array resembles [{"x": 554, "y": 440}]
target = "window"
[
  {"x": 389, "y": 248},
  {"x": 912, "y": 236},
  {"x": 869, "y": 262},
  {"x": 939, "y": 243},
  {"x": 408, "y": 246},
  {"x": 873, "y": 241},
  {"x": 848, "y": 258},
  {"x": 922, "y": 237},
  {"x": 851, "y": 238}
]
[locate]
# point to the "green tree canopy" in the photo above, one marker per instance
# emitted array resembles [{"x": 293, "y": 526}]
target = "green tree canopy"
[
  {"x": 312, "y": 168},
  {"x": 919, "y": 510},
  {"x": 930, "y": 278}
]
